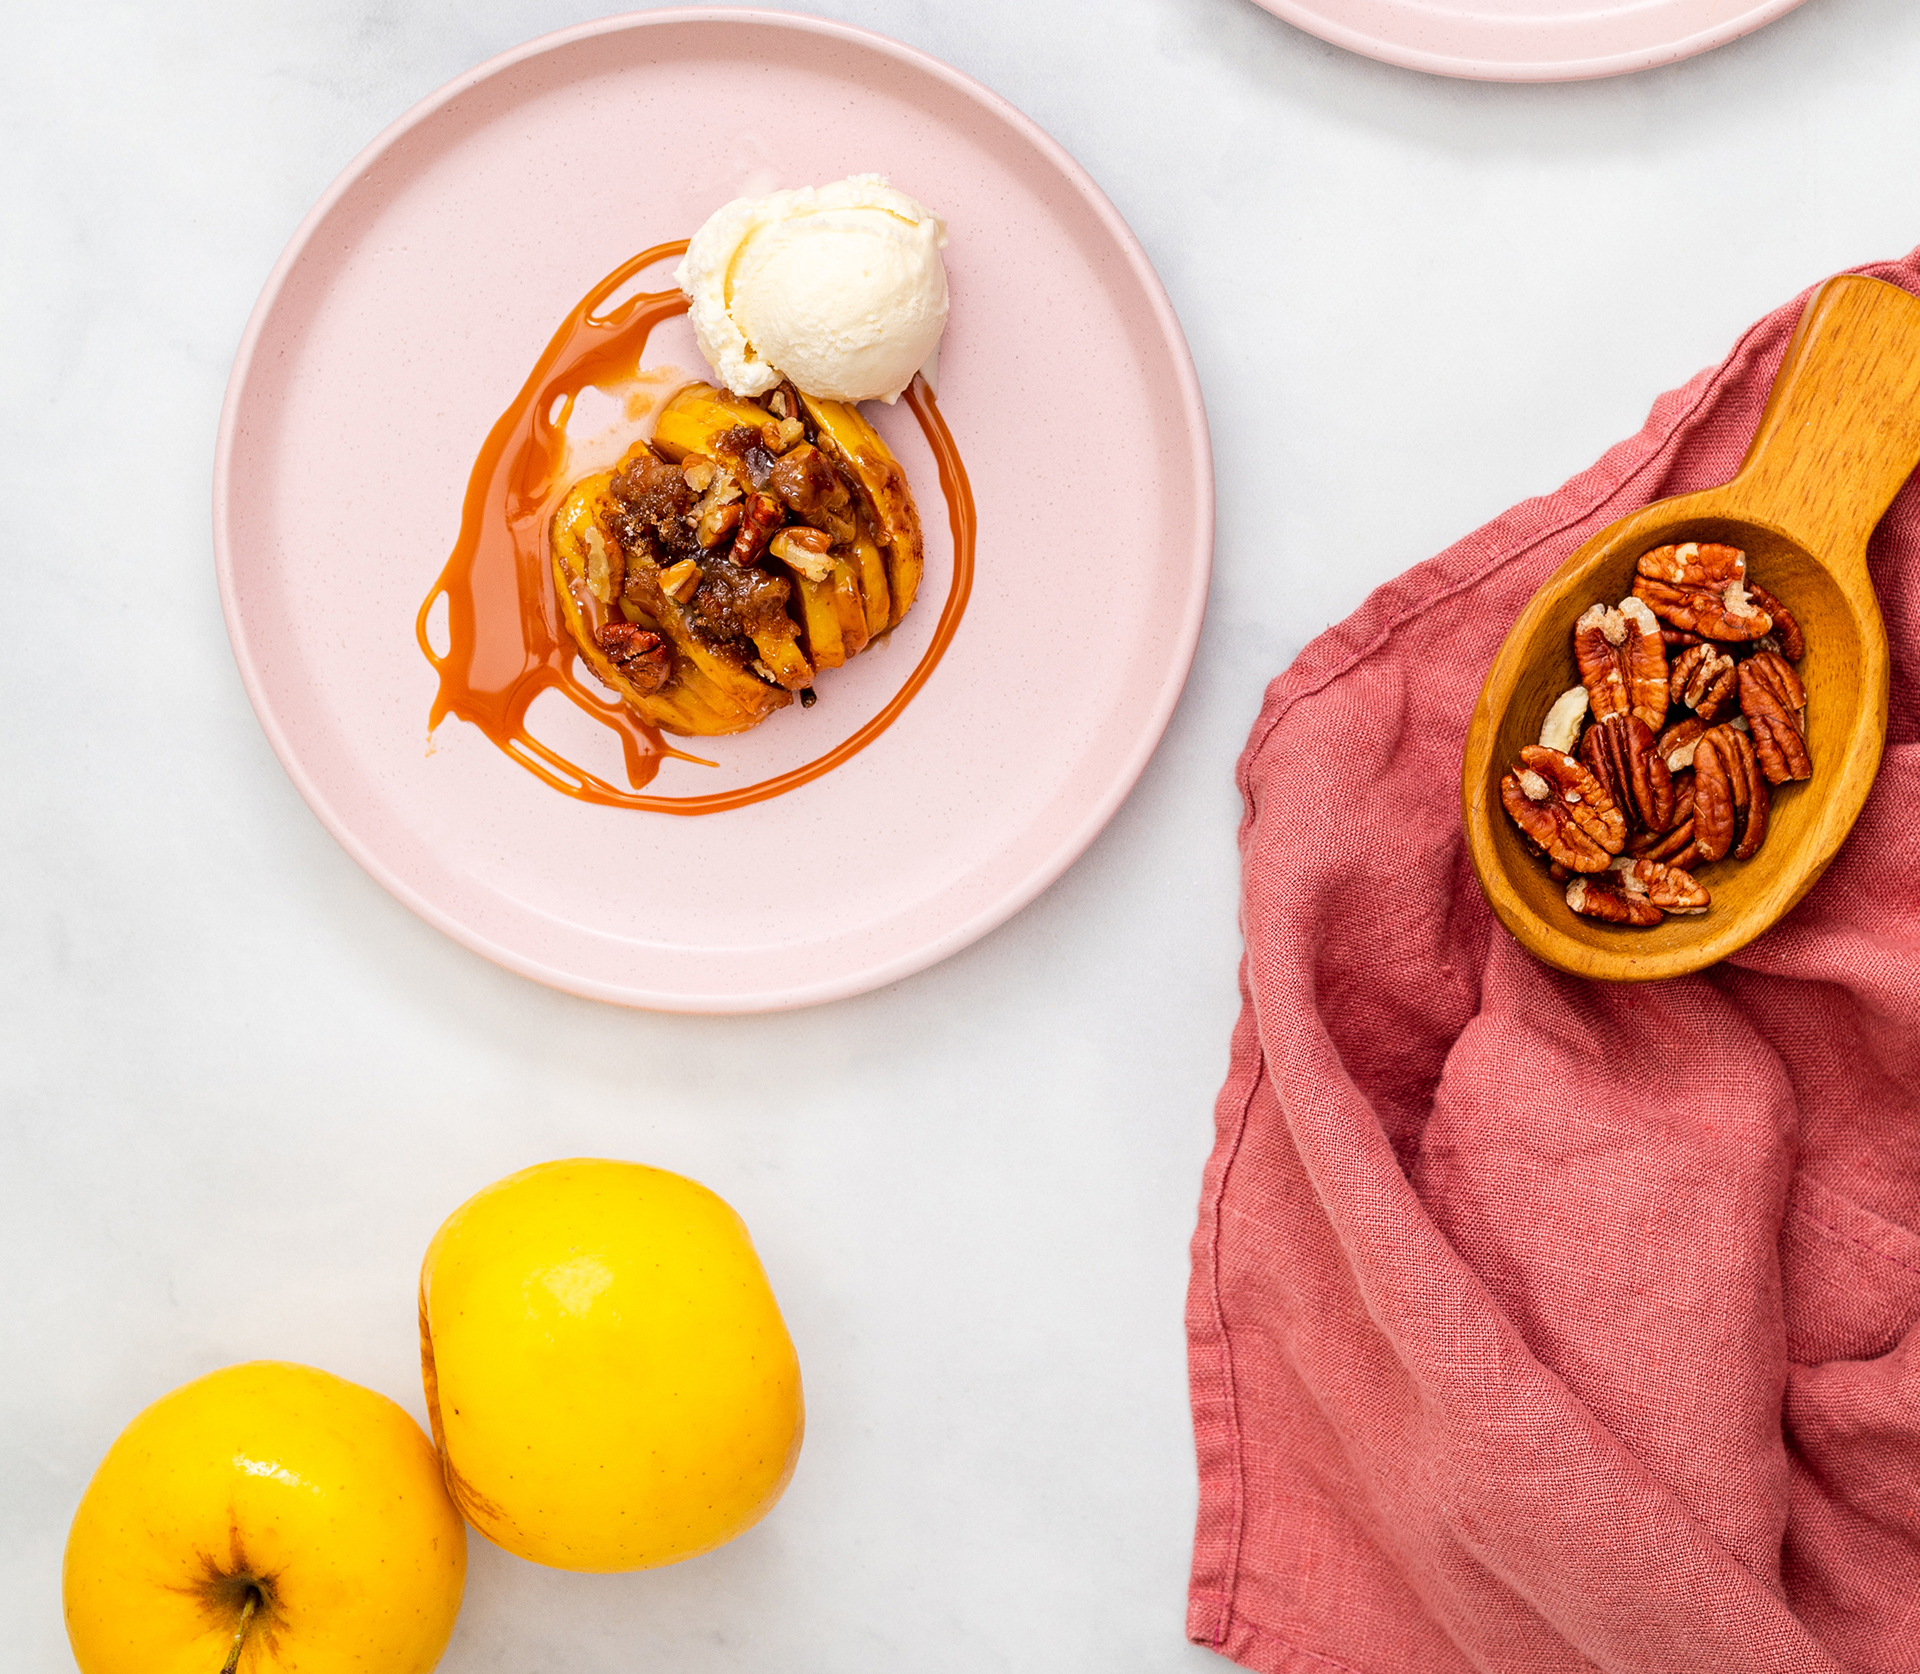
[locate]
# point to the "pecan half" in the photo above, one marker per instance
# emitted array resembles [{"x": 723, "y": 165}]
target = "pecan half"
[
  {"x": 1676, "y": 743},
  {"x": 1597, "y": 638},
  {"x": 1644, "y": 661},
  {"x": 1701, "y": 588},
  {"x": 1678, "y": 639},
  {"x": 1786, "y": 631},
  {"x": 1670, "y": 888},
  {"x": 1729, "y": 796},
  {"x": 640, "y": 656},
  {"x": 1605, "y": 898},
  {"x": 1774, "y": 703},
  {"x": 1622, "y": 661},
  {"x": 1563, "y": 810},
  {"x": 1664, "y": 845},
  {"x": 1704, "y": 680},
  {"x": 1779, "y": 676},
  {"x": 1619, "y": 751}
]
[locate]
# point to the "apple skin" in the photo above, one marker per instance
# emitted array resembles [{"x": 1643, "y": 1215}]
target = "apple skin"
[
  {"x": 608, "y": 1376},
  {"x": 322, "y": 1497}
]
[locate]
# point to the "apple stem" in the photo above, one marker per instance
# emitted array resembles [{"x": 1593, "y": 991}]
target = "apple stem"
[{"x": 240, "y": 1633}]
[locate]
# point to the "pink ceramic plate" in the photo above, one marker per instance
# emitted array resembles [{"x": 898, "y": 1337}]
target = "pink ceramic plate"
[
  {"x": 1529, "y": 40},
  {"x": 407, "y": 311}
]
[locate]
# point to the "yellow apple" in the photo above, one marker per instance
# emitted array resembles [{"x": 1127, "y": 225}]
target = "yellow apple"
[
  {"x": 263, "y": 1518},
  {"x": 609, "y": 1378}
]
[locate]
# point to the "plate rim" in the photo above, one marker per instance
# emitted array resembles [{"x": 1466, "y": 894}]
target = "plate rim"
[
  {"x": 1309, "y": 16},
  {"x": 1063, "y": 853}
]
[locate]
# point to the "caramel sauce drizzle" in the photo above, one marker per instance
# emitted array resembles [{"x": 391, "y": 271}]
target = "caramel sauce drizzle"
[{"x": 507, "y": 643}]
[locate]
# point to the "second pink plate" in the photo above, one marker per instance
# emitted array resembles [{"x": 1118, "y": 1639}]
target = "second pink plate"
[
  {"x": 1529, "y": 40},
  {"x": 404, "y": 316}
]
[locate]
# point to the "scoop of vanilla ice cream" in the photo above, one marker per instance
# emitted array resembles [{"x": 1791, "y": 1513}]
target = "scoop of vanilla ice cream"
[{"x": 840, "y": 288}]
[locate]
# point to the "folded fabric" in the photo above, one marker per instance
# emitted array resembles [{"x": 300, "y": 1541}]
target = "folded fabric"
[{"x": 1539, "y": 1324}]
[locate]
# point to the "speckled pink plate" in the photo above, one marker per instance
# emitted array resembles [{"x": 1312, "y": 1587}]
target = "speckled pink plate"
[
  {"x": 409, "y": 308},
  {"x": 1529, "y": 40}
]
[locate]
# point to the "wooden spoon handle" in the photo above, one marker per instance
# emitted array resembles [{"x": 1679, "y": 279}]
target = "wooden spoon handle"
[{"x": 1841, "y": 430}]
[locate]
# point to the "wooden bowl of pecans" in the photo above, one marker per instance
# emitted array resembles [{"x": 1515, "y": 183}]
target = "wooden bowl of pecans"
[{"x": 1629, "y": 845}]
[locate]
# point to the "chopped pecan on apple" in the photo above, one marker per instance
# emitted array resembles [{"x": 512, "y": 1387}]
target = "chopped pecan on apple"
[
  {"x": 1729, "y": 796},
  {"x": 1774, "y": 702},
  {"x": 681, "y": 581},
  {"x": 805, "y": 479},
  {"x": 1619, "y": 751},
  {"x": 715, "y": 513},
  {"x": 1704, "y": 680},
  {"x": 760, "y": 516},
  {"x": 1563, "y": 810},
  {"x": 806, "y": 550},
  {"x": 1702, "y": 589},
  {"x": 606, "y": 565},
  {"x": 1786, "y": 634},
  {"x": 716, "y": 523},
  {"x": 1605, "y": 897},
  {"x": 639, "y": 655},
  {"x": 1622, "y": 661}
]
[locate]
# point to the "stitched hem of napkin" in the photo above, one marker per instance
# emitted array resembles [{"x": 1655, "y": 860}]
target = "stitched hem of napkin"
[
  {"x": 1220, "y": 1455},
  {"x": 1211, "y": 1622}
]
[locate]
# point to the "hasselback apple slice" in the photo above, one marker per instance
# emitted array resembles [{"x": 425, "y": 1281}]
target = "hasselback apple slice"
[
  {"x": 858, "y": 450},
  {"x": 820, "y": 621}
]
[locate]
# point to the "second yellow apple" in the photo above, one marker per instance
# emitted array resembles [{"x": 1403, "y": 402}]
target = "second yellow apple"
[{"x": 609, "y": 1378}]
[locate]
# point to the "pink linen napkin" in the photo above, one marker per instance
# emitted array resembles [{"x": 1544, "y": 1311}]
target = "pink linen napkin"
[{"x": 1538, "y": 1324}]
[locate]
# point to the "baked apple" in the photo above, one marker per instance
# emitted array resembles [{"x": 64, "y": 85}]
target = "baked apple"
[{"x": 715, "y": 572}]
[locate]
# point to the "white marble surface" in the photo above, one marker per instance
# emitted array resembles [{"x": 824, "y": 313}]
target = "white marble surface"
[{"x": 242, "y": 1085}]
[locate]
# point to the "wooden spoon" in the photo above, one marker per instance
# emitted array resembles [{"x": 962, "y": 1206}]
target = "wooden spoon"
[{"x": 1839, "y": 437}]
